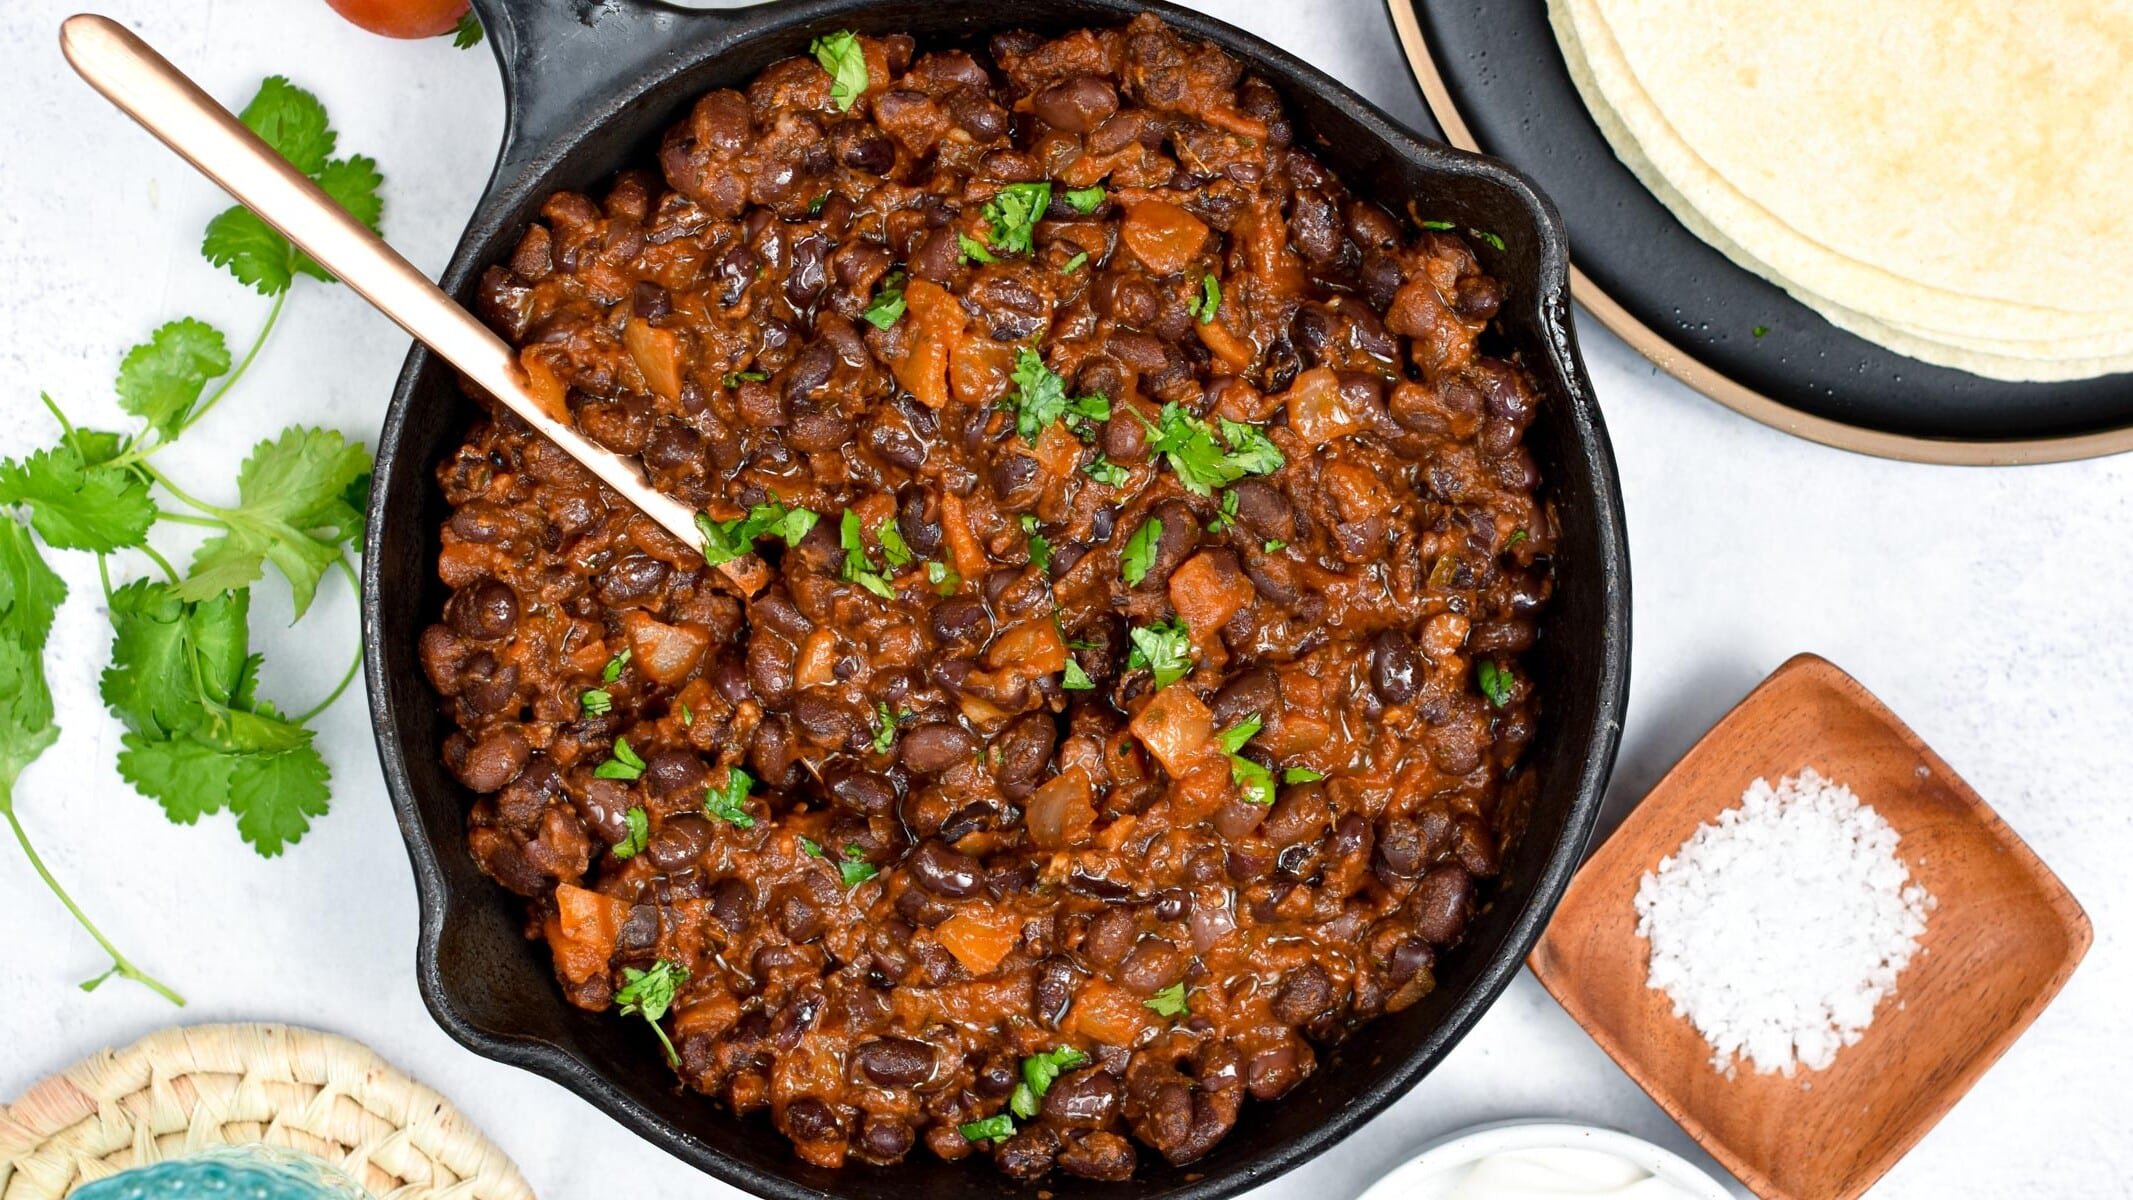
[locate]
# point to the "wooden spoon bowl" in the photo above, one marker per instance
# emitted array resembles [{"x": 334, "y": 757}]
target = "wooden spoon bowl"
[{"x": 2004, "y": 939}]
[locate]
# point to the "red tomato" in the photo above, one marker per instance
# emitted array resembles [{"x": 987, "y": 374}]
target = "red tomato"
[{"x": 403, "y": 18}]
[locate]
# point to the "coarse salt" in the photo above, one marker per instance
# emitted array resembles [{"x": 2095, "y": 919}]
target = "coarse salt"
[{"x": 1777, "y": 928}]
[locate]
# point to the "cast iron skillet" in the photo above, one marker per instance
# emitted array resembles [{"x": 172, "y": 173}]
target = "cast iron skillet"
[{"x": 589, "y": 89}]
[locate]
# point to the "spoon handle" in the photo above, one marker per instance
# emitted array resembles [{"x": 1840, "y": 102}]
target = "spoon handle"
[{"x": 143, "y": 84}]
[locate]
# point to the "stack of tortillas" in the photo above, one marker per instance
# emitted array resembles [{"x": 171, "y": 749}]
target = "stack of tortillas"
[{"x": 1952, "y": 179}]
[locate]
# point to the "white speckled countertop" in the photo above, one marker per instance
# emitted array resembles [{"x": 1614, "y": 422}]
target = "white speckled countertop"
[{"x": 1989, "y": 608}]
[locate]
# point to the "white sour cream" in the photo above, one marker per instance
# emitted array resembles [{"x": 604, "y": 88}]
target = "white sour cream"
[{"x": 1550, "y": 1174}]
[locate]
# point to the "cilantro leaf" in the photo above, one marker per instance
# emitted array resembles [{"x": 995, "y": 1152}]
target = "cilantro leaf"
[
  {"x": 292, "y": 511},
  {"x": 649, "y": 994},
  {"x": 596, "y": 702},
  {"x": 1075, "y": 263},
  {"x": 30, "y": 592},
  {"x": 622, "y": 762},
  {"x": 1440, "y": 226},
  {"x": 885, "y": 722},
  {"x": 1226, "y": 515},
  {"x": 894, "y": 548},
  {"x": 1496, "y": 682},
  {"x": 467, "y": 34},
  {"x": 1040, "y": 398},
  {"x": 727, "y": 540},
  {"x": 1011, "y": 216},
  {"x": 259, "y": 257},
  {"x": 1170, "y": 1002},
  {"x": 998, "y": 1127},
  {"x": 292, "y": 121},
  {"x": 1040, "y": 546},
  {"x": 1201, "y": 462},
  {"x": 1139, "y": 555},
  {"x": 857, "y": 569},
  {"x": 1209, "y": 301},
  {"x": 181, "y": 679},
  {"x": 1164, "y": 649},
  {"x": 1039, "y": 1071},
  {"x": 1075, "y": 679},
  {"x": 729, "y": 803},
  {"x": 888, "y": 306},
  {"x": 613, "y": 670},
  {"x": 1085, "y": 200},
  {"x": 636, "y": 831},
  {"x": 76, "y": 505},
  {"x": 972, "y": 250},
  {"x": 1233, "y": 739},
  {"x": 854, "y": 869},
  {"x": 943, "y": 578},
  {"x": 1104, "y": 471},
  {"x": 1301, "y": 775},
  {"x": 812, "y": 847},
  {"x": 26, "y": 728},
  {"x": 841, "y": 55},
  {"x": 1488, "y": 237},
  {"x": 161, "y": 379},
  {"x": 353, "y": 183},
  {"x": 1255, "y": 782}
]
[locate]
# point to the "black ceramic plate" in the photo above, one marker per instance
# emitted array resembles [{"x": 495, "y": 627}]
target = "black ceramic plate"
[{"x": 1492, "y": 74}]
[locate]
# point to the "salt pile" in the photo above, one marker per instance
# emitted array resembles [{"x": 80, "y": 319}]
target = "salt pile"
[{"x": 1777, "y": 928}]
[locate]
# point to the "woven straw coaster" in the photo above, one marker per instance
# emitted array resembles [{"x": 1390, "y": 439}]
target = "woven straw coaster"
[{"x": 183, "y": 1090}]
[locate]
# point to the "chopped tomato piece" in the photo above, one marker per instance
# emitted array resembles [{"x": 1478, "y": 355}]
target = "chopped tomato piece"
[
  {"x": 1162, "y": 235},
  {"x": 979, "y": 937}
]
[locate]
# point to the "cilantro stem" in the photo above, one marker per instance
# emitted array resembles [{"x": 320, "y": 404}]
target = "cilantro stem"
[
  {"x": 189, "y": 519},
  {"x": 103, "y": 574},
  {"x": 65, "y": 425},
  {"x": 180, "y": 493},
  {"x": 354, "y": 665},
  {"x": 169, "y": 572},
  {"x": 119, "y": 962},
  {"x": 230, "y": 380}
]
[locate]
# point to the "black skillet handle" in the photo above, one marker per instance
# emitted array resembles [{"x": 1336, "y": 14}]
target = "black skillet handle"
[{"x": 560, "y": 57}]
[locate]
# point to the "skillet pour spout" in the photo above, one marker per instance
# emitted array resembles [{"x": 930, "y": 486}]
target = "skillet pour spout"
[{"x": 590, "y": 87}]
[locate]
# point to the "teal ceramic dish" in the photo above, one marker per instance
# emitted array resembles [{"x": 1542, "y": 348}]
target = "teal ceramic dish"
[{"x": 229, "y": 1173}]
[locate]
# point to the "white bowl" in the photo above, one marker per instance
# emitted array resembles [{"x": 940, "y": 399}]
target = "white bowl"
[{"x": 1413, "y": 1179}]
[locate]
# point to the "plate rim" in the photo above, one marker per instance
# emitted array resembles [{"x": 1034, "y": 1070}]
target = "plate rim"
[{"x": 1716, "y": 385}]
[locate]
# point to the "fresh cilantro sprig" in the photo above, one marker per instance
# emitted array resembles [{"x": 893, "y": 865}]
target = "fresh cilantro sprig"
[
  {"x": 858, "y": 568},
  {"x": 1164, "y": 649},
  {"x": 1040, "y": 398},
  {"x": 636, "y": 834},
  {"x": 854, "y": 869},
  {"x": 468, "y": 33},
  {"x": 727, "y": 540},
  {"x": 622, "y": 763},
  {"x": 1085, "y": 200},
  {"x": 1254, "y": 782},
  {"x": 1172, "y": 1001},
  {"x": 886, "y": 720},
  {"x": 1496, "y": 681},
  {"x": 1209, "y": 301},
  {"x": 729, "y": 803},
  {"x": 888, "y": 306},
  {"x": 1011, "y": 216},
  {"x": 995, "y": 1128},
  {"x": 1040, "y": 546},
  {"x": 294, "y": 123},
  {"x": 1139, "y": 555},
  {"x": 1201, "y": 461},
  {"x": 649, "y": 994}
]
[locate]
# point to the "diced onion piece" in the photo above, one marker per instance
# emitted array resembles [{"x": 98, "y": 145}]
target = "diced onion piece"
[
  {"x": 1317, "y": 412},
  {"x": 1108, "y": 1014},
  {"x": 665, "y": 653},
  {"x": 657, "y": 353},
  {"x": 1060, "y": 811},
  {"x": 1029, "y": 649},
  {"x": 936, "y": 326},
  {"x": 1207, "y": 590},
  {"x": 1176, "y": 728}
]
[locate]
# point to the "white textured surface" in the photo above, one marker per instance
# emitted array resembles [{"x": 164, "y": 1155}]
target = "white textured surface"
[{"x": 1988, "y": 608}]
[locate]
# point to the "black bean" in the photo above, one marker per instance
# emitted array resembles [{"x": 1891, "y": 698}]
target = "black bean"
[
  {"x": 1109, "y": 936},
  {"x": 799, "y": 917},
  {"x": 732, "y": 903},
  {"x": 632, "y": 578},
  {"x": 735, "y": 272},
  {"x": 1024, "y": 749},
  {"x": 770, "y": 667},
  {"x": 828, "y": 721},
  {"x": 810, "y": 371},
  {"x": 481, "y": 521},
  {"x": 922, "y": 532},
  {"x": 936, "y": 257},
  {"x": 874, "y": 154},
  {"x": 494, "y": 760},
  {"x": 678, "y": 842},
  {"x": 982, "y": 119},
  {"x": 1305, "y": 995},
  {"x": 1256, "y": 691},
  {"x": 807, "y": 274},
  {"x": 674, "y": 447},
  {"x": 485, "y": 610},
  {"x": 671, "y": 772},
  {"x": 487, "y": 686},
  {"x": 1400, "y": 850},
  {"x": 773, "y": 753},
  {"x": 1152, "y": 966},
  {"x": 1100, "y": 1155},
  {"x": 962, "y": 620},
  {"x": 1410, "y": 959},
  {"x": 934, "y": 747},
  {"x": 896, "y": 1061},
  {"x": 1442, "y": 902},
  {"x": 1083, "y": 1099},
  {"x": 1179, "y": 538},
  {"x": 945, "y": 872},
  {"x": 858, "y": 791},
  {"x": 810, "y": 1120},
  {"x": 1052, "y": 993},
  {"x": 885, "y": 1139},
  {"x": 650, "y": 301},
  {"x": 1394, "y": 666}
]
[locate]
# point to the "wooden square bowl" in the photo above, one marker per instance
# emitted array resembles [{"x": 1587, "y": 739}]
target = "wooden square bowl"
[{"x": 2005, "y": 937}]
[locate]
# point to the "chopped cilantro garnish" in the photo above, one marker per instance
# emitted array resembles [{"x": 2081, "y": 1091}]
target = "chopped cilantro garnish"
[
  {"x": 1226, "y": 516},
  {"x": 1075, "y": 679},
  {"x": 888, "y": 306},
  {"x": 1496, "y": 682},
  {"x": 811, "y": 846},
  {"x": 1301, "y": 775},
  {"x": 1075, "y": 263},
  {"x": 885, "y": 722},
  {"x": 1085, "y": 200},
  {"x": 1488, "y": 237},
  {"x": 894, "y": 550},
  {"x": 1232, "y": 739},
  {"x": 814, "y": 206},
  {"x": 1273, "y": 545},
  {"x": 1209, "y": 301},
  {"x": 735, "y": 379},
  {"x": 623, "y": 763},
  {"x": 1517, "y": 536},
  {"x": 1760, "y": 331},
  {"x": 856, "y": 567},
  {"x": 595, "y": 702},
  {"x": 1201, "y": 462},
  {"x": 649, "y": 994},
  {"x": 613, "y": 670},
  {"x": 972, "y": 250},
  {"x": 1039, "y": 1071},
  {"x": 730, "y": 802},
  {"x": 1139, "y": 555},
  {"x": 1164, "y": 648},
  {"x": 995, "y": 1128},
  {"x": 943, "y": 578},
  {"x": 846, "y": 61},
  {"x": 637, "y": 830},
  {"x": 1040, "y": 398},
  {"x": 1104, "y": 471},
  {"x": 1170, "y": 1002},
  {"x": 1440, "y": 226},
  {"x": 727, "y": 540},
  {"x": 1011, "y": 216},
  {"x": 1040, "y": 546},
  {"x": 1255, "y": 782},
  {"x": 854, "y": 869}
]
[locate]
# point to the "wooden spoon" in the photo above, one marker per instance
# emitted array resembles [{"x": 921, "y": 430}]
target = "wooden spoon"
[{"x": 143, "y": 84}]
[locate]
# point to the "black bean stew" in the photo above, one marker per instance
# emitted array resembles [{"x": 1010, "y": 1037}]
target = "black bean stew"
[{"x": 1105, "y": 684}]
